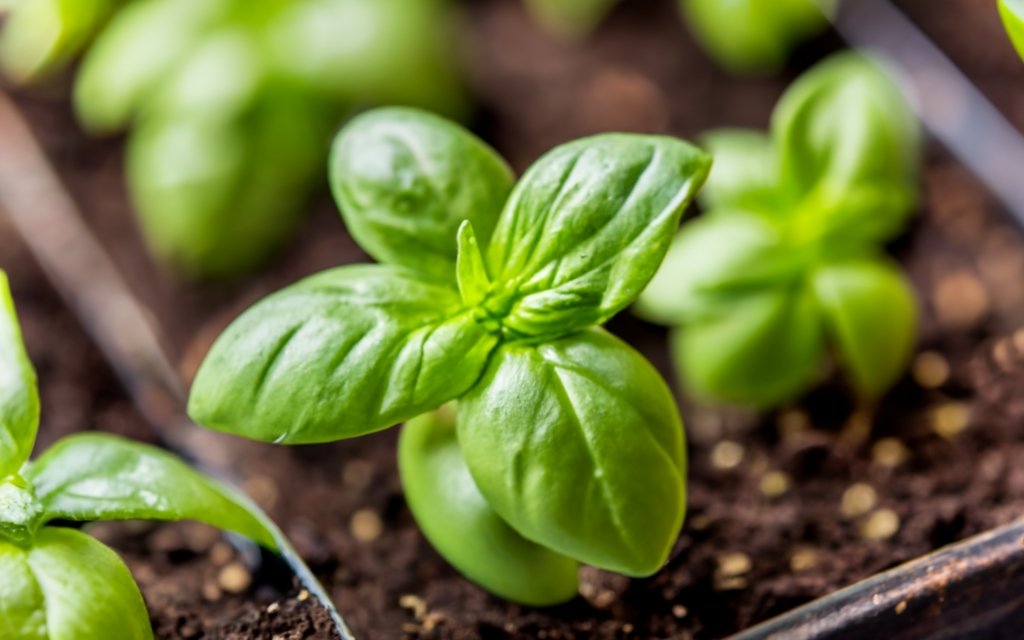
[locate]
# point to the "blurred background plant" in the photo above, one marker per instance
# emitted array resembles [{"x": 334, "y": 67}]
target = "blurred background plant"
[{"x": 231, "y": 103}]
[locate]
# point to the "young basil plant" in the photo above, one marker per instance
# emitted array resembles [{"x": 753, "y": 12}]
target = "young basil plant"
[
  {"x": 60, "y": 583},
  {"x": 787, "y": 262},
  {"x": 1012, "y": 12},
  {"x": 743, "y": 36},
  {"x": 565, "y": 445},
  {"x": 40, "y": 37}
]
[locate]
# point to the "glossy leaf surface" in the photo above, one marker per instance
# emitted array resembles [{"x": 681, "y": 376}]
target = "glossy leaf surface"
[
  {"x": 343, "y": 353},
  {"x": 578, "y": 445},
  {"x": 458, "y": 521},
  {"x": 19, "y": 396}
]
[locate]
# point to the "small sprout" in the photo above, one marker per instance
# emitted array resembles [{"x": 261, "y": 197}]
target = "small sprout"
[
  {"x": 858, "y": 499},
  {"x": 480, "y": 330},
  {"x": 786, "y": 266},
  {"x": 65, "y": 583},
  {"x": 950, "y": 419},
  {"x": 727, "y": 455},
  {"x": 880, "y": 525},
  {"x": 889, "y": 452},
  {"x": 930, "y": 370}
]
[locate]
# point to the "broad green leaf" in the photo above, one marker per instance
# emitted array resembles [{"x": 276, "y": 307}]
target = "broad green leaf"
[
  {"x": 346, "y": 352},
  {"x": 102, "y": 477},
  {"x": 577, "y": 444},
  {"x": 87, "y": 590},
  {"x": 1012, "y": 12},
  {"x": 19, "y": 396},
  {"x": 40, "y": 37},
  {"x": 371, "y": 51},
  {"x": 22, "y": 610},
  {"x": 714, "y": 258},
  {"x": 762, "y": 350},
  {"x": 586, "y": 228},
  {"x": 405, "y": 180},
  {"x": 754, "y": 36},
  {"x": 457, "y": 520},
  {"x": 217, "y": 198},
  {"x": 871, "y": 312},
  {"x": 844, "y": 125},
  {"x": 136, "y": 53},
  {"x": 745, "y": 173},
  {"x": 20, "y": 511},
  {"x": 570, "y": 18}
]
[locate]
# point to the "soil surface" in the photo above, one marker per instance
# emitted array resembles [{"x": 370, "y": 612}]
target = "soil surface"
[{"x": 782, "y": 508}]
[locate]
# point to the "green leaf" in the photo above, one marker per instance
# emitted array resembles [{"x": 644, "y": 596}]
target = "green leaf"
[
  {"x": 713, "y": 259},
  {"x": 349, "y": 351},
  {"x": 135, "y": 54},
  {"x": 745, "y": 173},
  {"x": 586, "y": 229},
  {"x": 22, "y": 609},
  {"x": 217, "y": 198},
  {"x": 87, "y": 590},
  {"x": 457, "y": 520},
  {"x": 102, "y": 477},
  {"x": 40, "y": 37},
  {"x": 844, "y": 126},
  {"x": 754, "y": 36},
  {"x": 474, "y": 283},
  {"x": 1012, "y": 12},
  {"x": 870, "y": 310},
  {"x": 20, "y": 511},
  {"x": 405, "y": 180},
  {"x": 577, "y": 444},
  {"x": 763, "y": 349},
  {"x": 570, "y": 18},
  {"x": 19, "y": 396}
]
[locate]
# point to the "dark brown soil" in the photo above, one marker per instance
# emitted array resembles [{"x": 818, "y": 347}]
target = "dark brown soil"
[{"x": 783, "y": 509}]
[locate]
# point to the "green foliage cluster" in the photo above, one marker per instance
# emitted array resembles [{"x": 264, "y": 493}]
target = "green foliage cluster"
[
  {"x": 787, "y": 262},
  {"x": 743, "y": 36},
  {"x": 58, "y": 583},
  {"x": 233, "y": 101},
  {"x": 564, "y": 445}
]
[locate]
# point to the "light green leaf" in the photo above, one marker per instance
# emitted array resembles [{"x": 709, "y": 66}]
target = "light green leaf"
[
  {"x": 763, "y": 349},
  {"x": 1012, "y": 12},
  {"x": 405, "y": 180},
  {"x": 474, "y": 283},
  {"x": 570, "y": 18},
  {"x": 845, "y": 126},
  {"x": 577, "y": 444},
  {"x": 102, "y": 477},
  {"x": 346, "y": 352},
  {"x": 870, "y": 310},
  {"x": 745, "y": 173},
  {"x": 713, "y": 259},
  {"x": 754, "y": 36},
  {"x": 20, "y": 511},
  {"x": 40, "y": 37},
  {"x": 217, "y": 198},
  {"x": 457, "y": 520},
  {"x": 586, "y": 228},
  {"x": 22, "y": 610},
  {"x": 136, "y": 53},
  {"x": 88, "y": 592},
  {"x": 19, "y": 396}
]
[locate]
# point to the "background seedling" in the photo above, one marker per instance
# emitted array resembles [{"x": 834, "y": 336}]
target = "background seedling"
[
  {"x": 569, "y": 444},
  {"x": 787, "y": 263}
]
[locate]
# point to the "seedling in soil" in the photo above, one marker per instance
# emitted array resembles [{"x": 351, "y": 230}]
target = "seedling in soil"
[
  {"x": 565, "y": 444},
  {"x": 1012, "y": 12},
  {"x": 233, "y": 103},
  {"x": 743, "y": 36},
  {"x": 787, "y": 263},
  {"x": 58, "y": 582}
]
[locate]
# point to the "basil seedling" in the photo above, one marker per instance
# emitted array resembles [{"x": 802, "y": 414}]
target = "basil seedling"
[
  {"x": 743, "y": 36},
  {"x": 60, "y": 583},
  {"x": 787, "y": 262},
  {"x": 564, "y": 445},
  {"x": 1012, "y": 12}
]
